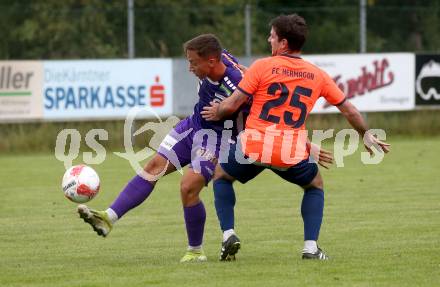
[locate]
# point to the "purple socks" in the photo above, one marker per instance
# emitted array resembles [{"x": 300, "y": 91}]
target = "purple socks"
[
  {"x": 136, "y": 191},
  {"x": 195, "y": 217}
]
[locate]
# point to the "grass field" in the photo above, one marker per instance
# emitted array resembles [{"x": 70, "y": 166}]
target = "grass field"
[{"x": 381, "y": 228}]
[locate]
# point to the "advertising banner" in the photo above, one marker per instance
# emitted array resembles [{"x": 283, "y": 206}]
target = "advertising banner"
[
  {"x": 20, "y": 90},
  {"x": 372, "y": 82},
  {"x": 427, "y": 80},
  {"x": 99, "y": 89}
]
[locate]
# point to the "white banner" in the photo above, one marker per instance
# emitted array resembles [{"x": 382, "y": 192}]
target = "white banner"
[
  {"x": 20, "y": 90},
  {"x": 372, "y": 82},
  {"x": 92, "y": 89}
]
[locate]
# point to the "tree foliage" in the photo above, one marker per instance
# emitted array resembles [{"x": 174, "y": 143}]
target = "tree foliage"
[{"x": 72, "y": 29}]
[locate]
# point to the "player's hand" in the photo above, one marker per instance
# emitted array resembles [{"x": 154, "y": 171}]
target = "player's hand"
[
  {"x": 324, "y": 157},
  {"x": 370, "y": 141},
  {"x": 209, "y": 113}
]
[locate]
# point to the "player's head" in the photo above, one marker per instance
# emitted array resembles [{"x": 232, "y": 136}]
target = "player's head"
[
  {"x": 203, "y": 53},
  {"x": 288, "y": 34}
]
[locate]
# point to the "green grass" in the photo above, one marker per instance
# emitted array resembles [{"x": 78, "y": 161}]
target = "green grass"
[{"x": 381, "y": 228}]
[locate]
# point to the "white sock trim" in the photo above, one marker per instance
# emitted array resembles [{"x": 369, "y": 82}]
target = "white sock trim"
[
  {"x": 194, "y": 248},
  {"x": 227, "y": 234},
  {"x": 112, "y": 215},
  {"x": 310, "y": 246}
]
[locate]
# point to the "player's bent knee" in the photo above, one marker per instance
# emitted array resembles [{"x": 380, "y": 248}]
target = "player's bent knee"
[
  {"x": 157, "y": 166},
  {"x": 189, "y": 193},
  {"x": 317, "y": 182},
  {"x": 190, "y": 187},
  {"x": 185, "y": 188}
]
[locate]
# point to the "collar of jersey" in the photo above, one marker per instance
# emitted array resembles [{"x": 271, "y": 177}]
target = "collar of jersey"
[
  {"x": 211, "y": 81},
  {"x": 297, "y": 56}
]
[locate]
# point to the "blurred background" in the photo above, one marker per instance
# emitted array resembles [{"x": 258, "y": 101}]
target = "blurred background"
[{"x": 87, "y": 29}]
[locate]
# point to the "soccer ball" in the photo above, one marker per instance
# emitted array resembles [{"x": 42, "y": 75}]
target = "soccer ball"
[{"x": 80, "y": 183}]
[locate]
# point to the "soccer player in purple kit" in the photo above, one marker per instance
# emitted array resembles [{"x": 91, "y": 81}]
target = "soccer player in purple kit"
[{"x": 194, "y": 142}]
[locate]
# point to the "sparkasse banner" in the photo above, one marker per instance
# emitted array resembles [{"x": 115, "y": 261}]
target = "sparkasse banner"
[
  {"x": 372, "y": 82},
  {"x": 20, "y": 90},
  {"x": 90, "y": 89}
]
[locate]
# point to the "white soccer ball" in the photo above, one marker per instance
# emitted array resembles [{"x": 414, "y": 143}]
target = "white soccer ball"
[{"x": 80, "y": 183}]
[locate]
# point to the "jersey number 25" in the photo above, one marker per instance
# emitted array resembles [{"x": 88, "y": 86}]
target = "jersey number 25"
[{"x": 295, "y": 101}]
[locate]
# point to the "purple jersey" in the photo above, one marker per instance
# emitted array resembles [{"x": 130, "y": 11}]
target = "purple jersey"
[
  {"x": 209, "y": 90},
  {"x": 186, "y": 143}
]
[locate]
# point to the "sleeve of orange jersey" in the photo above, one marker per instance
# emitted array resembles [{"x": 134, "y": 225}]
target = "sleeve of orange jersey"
[
  {"x": 251, "y": 79},
  {"x": 331, "y": 92}
]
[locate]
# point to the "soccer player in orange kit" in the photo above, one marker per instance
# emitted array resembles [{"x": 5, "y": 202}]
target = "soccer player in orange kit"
[{"x": 284, "y": 89}]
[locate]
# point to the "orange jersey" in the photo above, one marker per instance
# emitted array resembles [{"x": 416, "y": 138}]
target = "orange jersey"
[{"x": 284, "y": 90}]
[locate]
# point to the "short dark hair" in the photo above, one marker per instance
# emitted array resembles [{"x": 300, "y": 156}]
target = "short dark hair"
[
  {"x": 293, "y": 28},
  {"x": 205, "y": 45}
]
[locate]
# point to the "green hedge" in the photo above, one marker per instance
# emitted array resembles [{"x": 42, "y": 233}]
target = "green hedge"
[
  {"x": 41, "y": 136},
  {"x": 411, "y": 123}
]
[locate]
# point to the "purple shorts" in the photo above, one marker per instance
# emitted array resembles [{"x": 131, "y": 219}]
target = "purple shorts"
[{"x": 188, "y": 144}]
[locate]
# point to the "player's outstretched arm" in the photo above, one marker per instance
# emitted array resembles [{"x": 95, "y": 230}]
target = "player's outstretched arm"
[
  {"x": 225, "y": 108},
  {"x": 356, "y": 120},
  {"x": 243, "y": 68}
]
